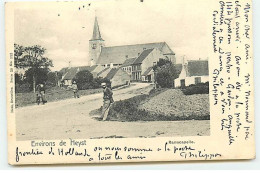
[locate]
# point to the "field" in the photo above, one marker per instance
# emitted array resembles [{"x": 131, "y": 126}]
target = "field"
[{"x": 52, "y": 94}]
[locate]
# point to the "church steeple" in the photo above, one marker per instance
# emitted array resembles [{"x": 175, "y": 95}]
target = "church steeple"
[
  {"x": 96, "y": 33},
  {"x": 95, "y": 44}
]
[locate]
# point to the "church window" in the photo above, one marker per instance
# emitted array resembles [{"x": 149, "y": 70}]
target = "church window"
[{"x": 94, "y": 46}]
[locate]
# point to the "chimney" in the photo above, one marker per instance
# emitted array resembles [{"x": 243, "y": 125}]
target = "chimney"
[
  {"x": 69, "y": 64},
  {"x": 92, "y": 62}
]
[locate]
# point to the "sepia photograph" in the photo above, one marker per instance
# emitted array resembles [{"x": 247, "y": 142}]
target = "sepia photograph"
[
  {"x": 111, "y": 71},
  {"x": 116, "y": 81},
  {"x": 129, "y": 81}
]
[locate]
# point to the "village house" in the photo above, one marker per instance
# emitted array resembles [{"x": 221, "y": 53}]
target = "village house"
[
  {"x": 142, "y": 65},
  {"x": 193, "y": 72},
  {"x": 69, "y": 73}
]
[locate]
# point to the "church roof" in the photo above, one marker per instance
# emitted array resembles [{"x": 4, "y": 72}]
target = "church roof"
[
  {"x": 118, "y": 54},
  {"x": 143, "y": 55},
  {"x": 198, "y": 68},
  {"x": 96, "y": 33}
]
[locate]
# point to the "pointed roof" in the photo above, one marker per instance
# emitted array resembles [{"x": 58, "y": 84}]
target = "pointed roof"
[
  {"x": 143, "y": 55},
  {"x": 71, "y": 73},
  {"x": 147, "y": 71},
  {"x": 112, "y": 73},
  {"x": 198, "y": 68},
  {"x": 96, "y": 33}
]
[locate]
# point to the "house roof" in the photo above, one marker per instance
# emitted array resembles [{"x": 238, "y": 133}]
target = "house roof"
[
  {"x": 63, "y": 70},
  {"x": 71, "y": 72},
  {"x": 178, "y": 68},
  {"x": 105, "y": 69},
  {"x": 198, "y": 68},
  {"x": 118, "y": 54},
  {"x": 142, "y": 56},
  {"x": 112, "y": 73},
  {"x": 147, "y": 71},
  {"x": 128, "y": 62}
]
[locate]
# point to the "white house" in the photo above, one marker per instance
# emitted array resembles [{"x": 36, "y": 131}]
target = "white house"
[{"x": 193, "y": 72}]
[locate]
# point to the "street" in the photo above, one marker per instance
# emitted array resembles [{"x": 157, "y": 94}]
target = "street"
[{"x": 70, "y": 119}]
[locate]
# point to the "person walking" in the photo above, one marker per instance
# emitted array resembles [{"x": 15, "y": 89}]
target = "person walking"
[
  {"x": 41, "y": 94},
  {"x": 75, "y": 89},
  {"x": 107, "y": 100}
]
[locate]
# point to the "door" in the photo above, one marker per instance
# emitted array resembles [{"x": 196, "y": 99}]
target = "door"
[
  {"x": 149, "y": 78},
  {"x": 183, "y": 83}
]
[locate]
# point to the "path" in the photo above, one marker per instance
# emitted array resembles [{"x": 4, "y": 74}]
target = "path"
[{"x": 70, "y": 119}]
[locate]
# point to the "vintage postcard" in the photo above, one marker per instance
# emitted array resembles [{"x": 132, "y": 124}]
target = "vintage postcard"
[{"x": 129, "y": 81}]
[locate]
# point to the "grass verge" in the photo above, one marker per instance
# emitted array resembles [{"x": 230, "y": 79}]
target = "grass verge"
[{"x": 52, "y": 94}]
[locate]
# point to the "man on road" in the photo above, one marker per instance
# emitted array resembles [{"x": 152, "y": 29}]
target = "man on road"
[
  {"x": 75, "y": 89},
  {"x": 108, "y": 100},
  {"x": 41, "y": 94}
]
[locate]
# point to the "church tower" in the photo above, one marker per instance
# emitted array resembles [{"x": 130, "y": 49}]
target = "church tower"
[{"x": 95, "y": 44}]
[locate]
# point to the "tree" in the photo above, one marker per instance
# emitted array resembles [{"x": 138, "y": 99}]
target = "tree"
[
  {"x": 18, "y": 52},
  {"x": 161, "y": 63},
  {"x": 52, "y": 79},
  {"x": 165, "y": 73},
  {"x": 40, "y": 76},
  {"x": 84, "y": 79},
  {"x": 32, "y": 58},
  {"x": 18, "y": 78}
]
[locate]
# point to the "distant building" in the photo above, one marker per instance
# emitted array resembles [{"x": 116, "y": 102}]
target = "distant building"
[
  {"x": 116, "y": 76},
  {"x": 193, "y": 72},
  {"x": 69, "y": 73}
]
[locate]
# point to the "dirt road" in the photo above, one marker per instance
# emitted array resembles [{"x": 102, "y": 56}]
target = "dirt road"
[{"x": 70, "y": 119}]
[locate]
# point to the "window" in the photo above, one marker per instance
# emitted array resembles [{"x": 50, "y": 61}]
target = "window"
[
  {"x": 197, "y": 80},
  {"x": 94, "y": 46}
]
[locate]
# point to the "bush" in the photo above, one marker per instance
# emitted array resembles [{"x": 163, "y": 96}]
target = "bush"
[
  {"x": 201, "y": 88},
  {"x": 23, "y": 88},
  {"x": 86, "y": 81},
  {"x": 127, "y": 110}
]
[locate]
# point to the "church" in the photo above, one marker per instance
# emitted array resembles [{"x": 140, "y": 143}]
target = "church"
[{"x": 136, "y": 61}]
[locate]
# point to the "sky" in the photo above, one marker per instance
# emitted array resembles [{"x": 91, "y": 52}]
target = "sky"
[{"x": 65, "y": 28}]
